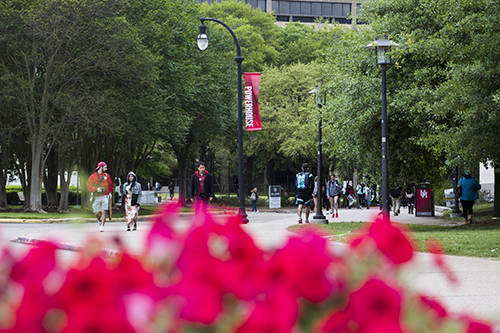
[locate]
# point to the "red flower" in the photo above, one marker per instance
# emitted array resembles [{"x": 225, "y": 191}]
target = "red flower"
[
  {"x": 301, "y": 266},
  {"x": 276, "y": 313},
  {"x": 389, "y": 238},
  {"x": 31, "y": 272},
  {"x": 375, "y": 301},
  {"x": 433, "y": 305},
  {"x": 434, "y": 247},
  {"x": 92, "y": 300}
]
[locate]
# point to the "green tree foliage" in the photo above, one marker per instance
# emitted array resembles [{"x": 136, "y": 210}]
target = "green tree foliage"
[
  {"x": 289, "y": 115},
  {"x": 257, "y": 32},
  {"x": 66, "y": 61},
  {"x": 196, "y": 90}
]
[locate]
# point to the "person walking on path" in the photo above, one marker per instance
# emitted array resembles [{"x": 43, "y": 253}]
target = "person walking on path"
[
  {"x": 131, "y": 195},
  {"x": 468, "y": 187},
  {"x": 333, "y": 190},
  {"x": 202, "y": 184},
  {"x": 368, "y": 196},
  {"x": 304, "y": 185},
  {"x": 100, "y": 186},
  {"x": 254, "y": 197},
  {"x": 171, "y": 189},
  {"x": 360, "y": 191},
  {"x": 396, "y": 199}
]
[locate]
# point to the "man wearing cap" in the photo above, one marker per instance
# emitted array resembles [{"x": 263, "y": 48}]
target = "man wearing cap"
[{"x": 100, "y": 185}]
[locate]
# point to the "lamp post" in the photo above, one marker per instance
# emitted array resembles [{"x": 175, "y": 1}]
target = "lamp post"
[
  {"x": 456, "y": 212},
  {"x": 382, "y": 46},
  {"x": 319, "y": 217},
  {"x": 228, "y": 178},
  {"x": 202, "y": 41}
]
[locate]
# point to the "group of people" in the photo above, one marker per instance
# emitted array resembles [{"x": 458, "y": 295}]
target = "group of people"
[{"x": 100, "y": 186}]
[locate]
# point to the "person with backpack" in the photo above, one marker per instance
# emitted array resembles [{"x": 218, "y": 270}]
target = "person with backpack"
[
  {"x": 304, "y": 185},
  {"x": 468, "y": 188},
  {"x": 100, "y": 186},
  {"x": 333, "y": 190},
  {"x": 361, "y": 191}
]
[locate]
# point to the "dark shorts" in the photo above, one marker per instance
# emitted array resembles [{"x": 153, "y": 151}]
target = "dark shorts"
[{"x": 303, "y": 198}]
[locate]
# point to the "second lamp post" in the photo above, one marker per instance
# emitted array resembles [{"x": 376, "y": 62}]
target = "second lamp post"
[
  {"x": 382, "y": 46},
  {"x": 202, "y": 41}
]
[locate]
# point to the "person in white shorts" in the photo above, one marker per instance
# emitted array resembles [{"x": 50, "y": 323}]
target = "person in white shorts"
[{"x": 100, "y": 185}]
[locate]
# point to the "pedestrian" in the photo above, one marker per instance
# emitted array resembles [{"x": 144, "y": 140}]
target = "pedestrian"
[
  {"x": 468, "y": 188},
  {"x": 333, "y": 190},
  {"x": 202, "y": 184},
  {"x": 410, "y": 197},
  {"x": 324, "y": 199},
  {"x": 158, "y": 186},
  {"x": 368, "y": 196},
  {"x": 100, "y": 186},
  {"x": 131, "y": 195},
  {"x": 361, "y": 191},
  {"x": 254, "y": 197},
  {"x": 304, "y": 185},
  {"x": 171, "y": 189},
  {"x": 350, "y": 194},
  {"x": 395, "y": 194}
]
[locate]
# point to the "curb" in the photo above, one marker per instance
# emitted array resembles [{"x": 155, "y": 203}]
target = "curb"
[{"x": 64, "y": 246}]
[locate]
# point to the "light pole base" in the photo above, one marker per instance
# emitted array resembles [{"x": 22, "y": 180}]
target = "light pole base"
[{"x": 320, "y": 219}]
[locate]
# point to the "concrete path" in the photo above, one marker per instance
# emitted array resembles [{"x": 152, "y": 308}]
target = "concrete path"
[{"x": 478, "y": 291}]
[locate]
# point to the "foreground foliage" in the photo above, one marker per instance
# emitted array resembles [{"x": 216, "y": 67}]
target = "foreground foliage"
[{"x": 214, "y": 278}]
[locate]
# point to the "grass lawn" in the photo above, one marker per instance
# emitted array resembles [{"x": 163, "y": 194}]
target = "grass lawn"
[{"x": 479, "y": 239}]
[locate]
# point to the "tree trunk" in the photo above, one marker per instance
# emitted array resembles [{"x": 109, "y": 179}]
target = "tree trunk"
[
  {"x": 3, "y": 177},
  {"x": 270, "y": 174},
  {"x": 184, "y": 172},
  {"x": 63, "y": 202},
  {"x": 36, "y": 178},
  {"x": 50, "y": 179},
  {"x": 496, "y": 205}
]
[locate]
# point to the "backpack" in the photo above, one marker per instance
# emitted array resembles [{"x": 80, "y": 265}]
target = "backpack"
[
  {"x": 253, "y": 197},
  {"x": 303, "y": 181}
]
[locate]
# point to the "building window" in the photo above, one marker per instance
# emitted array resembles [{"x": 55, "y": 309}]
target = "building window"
[
  {"x": 295, "y": 7},
  {"x": 346, "y": 9},
  {"x": 326, "y": 9}
]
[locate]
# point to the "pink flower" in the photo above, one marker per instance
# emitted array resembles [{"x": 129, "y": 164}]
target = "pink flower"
[
  {"x": 389, "y": 238},
  {"x": 434, "y": 306},
  {"x": 301, "y": 266},
  {"x": 276, "y": 313},
  {"x": 434, "y": 247},
  {"x": 374, "y": 308}
]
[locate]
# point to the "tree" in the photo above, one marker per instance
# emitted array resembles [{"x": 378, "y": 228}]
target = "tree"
[
  {"x": 257, "y": 32},
  {"x": 289, "y": 116},
  {"x": 56, "y": 49}
]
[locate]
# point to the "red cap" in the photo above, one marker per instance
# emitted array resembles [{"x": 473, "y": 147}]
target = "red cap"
[{"x": 101, "y": 164}]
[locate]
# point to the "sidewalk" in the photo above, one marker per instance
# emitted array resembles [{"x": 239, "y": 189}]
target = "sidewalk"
[{"x": 478, "y": 291}]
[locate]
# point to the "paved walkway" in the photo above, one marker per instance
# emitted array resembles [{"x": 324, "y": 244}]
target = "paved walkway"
[{"x": 478, "y": 291}]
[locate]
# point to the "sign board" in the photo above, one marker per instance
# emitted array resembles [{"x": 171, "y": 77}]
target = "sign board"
[
  {"x": 20, "y": 195},
  {"x": 274, "y": 196},
  {"x": 449, "y": 196},
  {"x": 425, "y": 202}
]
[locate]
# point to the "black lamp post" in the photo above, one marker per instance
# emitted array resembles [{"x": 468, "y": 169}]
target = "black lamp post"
[
  {"x": 228, "y": 178},
  {"x": 202, "y": 41},
  {"x": 456, "y": 212},
  {"x": 382, "y": 46},
  {"x": 319, "y": 217}
]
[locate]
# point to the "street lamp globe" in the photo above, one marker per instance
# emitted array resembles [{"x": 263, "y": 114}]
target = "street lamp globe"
[
  {"x": 382, "y": 46},
  {"x": 202, "y": 39}
]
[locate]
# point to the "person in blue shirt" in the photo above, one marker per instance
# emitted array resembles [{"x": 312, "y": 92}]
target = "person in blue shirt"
[
  {"x": 469, "y": 193},
  {"x": 304, "y": 186}
]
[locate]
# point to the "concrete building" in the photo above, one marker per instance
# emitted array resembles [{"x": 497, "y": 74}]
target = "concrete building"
[{"x": 306, "y": 11}]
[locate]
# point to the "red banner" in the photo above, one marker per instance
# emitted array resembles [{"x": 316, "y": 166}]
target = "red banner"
[{"x": 252, "y": 116}]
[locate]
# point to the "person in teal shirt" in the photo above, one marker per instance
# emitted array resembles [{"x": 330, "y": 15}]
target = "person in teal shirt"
[{"x": 470, "y": 188}]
